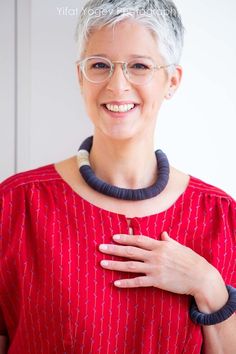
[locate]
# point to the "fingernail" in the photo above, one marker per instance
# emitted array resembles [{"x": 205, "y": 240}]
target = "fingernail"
[
  {"x": 116, "y": 237},
  {"x": 104, "y": 263},
  {"x": 103, "y": 247},
  {"x": 117, "y": 283}
]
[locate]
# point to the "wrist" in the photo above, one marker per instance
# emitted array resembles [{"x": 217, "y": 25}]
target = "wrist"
[
  {"x": 216, "y": 317},
  {"x": 213, "y": 294}
]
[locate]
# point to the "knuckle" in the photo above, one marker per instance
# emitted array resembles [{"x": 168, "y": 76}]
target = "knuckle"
[
  {"x": 163, "y": 252},
  {"x": 139, "y": 239},
  {"x": 130, "y": 251},
  {"x": 131, "y": 265},
  {"x": 138, "y": 281},
  {"x": 125, "y": 283},
  {"x": 153, "y": 257}
]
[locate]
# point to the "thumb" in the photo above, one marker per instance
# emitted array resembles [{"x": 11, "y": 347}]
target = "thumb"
[{"x": 165, "y": 236}]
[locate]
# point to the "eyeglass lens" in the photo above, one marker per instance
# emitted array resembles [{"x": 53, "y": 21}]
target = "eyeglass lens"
[{"x": 99, "y": 69}]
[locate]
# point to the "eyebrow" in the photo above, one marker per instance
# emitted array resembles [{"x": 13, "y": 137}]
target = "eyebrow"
[{"x": 131, "y": 56}]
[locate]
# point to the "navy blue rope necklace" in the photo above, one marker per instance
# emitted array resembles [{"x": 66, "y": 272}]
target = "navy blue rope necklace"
[{"x": 117, "y": 192}]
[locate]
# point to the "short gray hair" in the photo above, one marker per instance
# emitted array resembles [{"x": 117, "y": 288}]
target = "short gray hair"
[{"x": 161, "y": 17}]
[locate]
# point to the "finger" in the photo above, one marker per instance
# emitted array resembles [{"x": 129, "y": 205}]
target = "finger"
[
  {"x": 130, "y": 266},
  {"x": 125, "y": 251},
  {"x": 134, "y": 283},
  {"x": 165, "y": 237},
  {"x": 140, "y": 241}
]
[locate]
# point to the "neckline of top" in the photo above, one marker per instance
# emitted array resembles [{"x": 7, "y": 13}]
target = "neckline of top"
[{"x": 100, "y": 209}]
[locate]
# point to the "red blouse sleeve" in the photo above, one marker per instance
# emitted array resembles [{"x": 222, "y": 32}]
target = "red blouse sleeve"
[
  {"x": 3, "y": 329},
  {"x": 223, "y": 241},
  {"x": 231, "y": 225}
]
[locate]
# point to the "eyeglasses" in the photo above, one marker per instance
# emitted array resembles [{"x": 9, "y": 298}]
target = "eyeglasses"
[{"x": 138, "y": 71}]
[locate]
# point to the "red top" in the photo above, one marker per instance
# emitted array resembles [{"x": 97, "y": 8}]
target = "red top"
[{"x": 56, "y": 298}]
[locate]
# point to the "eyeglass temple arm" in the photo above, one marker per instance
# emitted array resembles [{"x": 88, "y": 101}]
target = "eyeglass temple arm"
[{"x": 157, "y": 67}]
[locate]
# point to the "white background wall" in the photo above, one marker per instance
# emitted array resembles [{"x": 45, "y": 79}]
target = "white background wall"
[
  {"x": 42, "y": 118},
  {"x": 7, "y": 88}
]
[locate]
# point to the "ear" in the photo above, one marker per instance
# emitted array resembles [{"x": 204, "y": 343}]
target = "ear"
[
  {"x": 174, "y": 82},
  {"x": 80, "y": 78}
]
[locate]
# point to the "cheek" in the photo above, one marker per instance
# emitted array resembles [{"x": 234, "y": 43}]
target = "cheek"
[
  {"x": 93, "y": 92},
  {"x": 90, "y": 98},
  {"x": 158, "y": 92},
  {"x": 91, "y": 103},
  {"x": 152, "y": 98}
]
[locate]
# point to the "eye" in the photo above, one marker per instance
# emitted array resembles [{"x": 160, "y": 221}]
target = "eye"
[
  {"x": 140, "y": 66},
  {"x": 100, "y": 65}
]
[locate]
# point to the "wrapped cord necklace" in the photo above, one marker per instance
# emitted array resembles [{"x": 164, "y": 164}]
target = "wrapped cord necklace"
[{"x": 117, "y": 192}]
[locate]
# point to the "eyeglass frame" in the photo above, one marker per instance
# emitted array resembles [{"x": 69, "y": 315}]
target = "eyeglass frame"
[{"x": 124, "y": 64}]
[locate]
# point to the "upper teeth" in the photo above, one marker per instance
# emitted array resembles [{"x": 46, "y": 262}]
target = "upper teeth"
[{"x": 121, "y": 108}]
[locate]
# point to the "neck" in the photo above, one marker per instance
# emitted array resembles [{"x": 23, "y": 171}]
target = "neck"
[{"x": 127, "y": 164}]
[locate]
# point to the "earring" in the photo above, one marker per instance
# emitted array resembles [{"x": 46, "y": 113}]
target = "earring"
[{"x": 170, "y": 94}]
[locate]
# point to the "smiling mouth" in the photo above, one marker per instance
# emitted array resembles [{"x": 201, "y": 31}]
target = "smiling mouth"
[{"x": 120, "y": 108}]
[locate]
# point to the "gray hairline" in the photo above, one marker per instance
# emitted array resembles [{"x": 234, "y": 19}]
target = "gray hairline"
[{"x": 168, "y": 38}]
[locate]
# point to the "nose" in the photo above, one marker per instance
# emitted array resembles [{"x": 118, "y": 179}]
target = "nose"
[{"x": 118, "y": 80}]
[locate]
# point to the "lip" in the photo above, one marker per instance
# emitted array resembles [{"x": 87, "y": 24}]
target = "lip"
[{"x": 120, "y": 102}]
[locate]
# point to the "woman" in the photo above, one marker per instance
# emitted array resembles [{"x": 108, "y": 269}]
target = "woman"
[{"x": 129, "y": 255}]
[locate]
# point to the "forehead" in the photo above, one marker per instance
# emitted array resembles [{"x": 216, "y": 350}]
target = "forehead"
[{"x": 124, "y": 39}]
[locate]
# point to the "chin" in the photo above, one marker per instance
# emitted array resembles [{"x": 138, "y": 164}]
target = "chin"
[
  {"x": 116, "y": 134},
  {"x": 123, "y": 136},
  {"x": 119, "y": 131}
]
